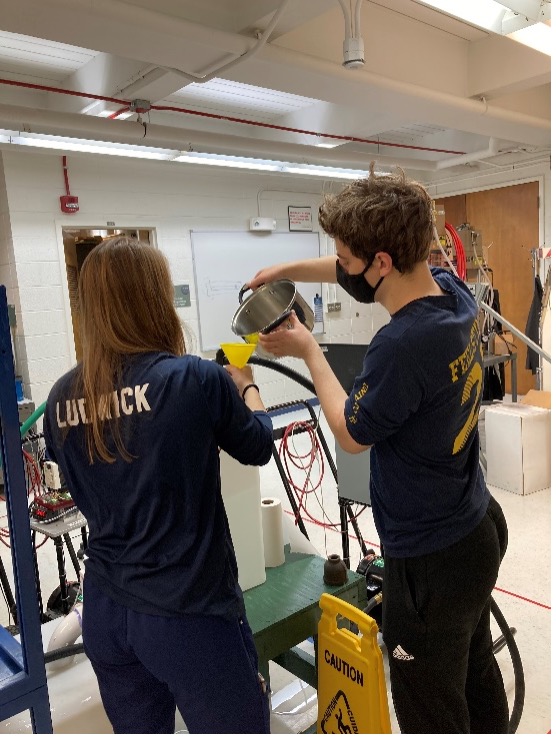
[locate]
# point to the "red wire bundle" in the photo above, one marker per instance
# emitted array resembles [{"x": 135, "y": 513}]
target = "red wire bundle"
[
  {"x": 461, "y": 264},
  {"x": 302, "y": 462},
  {"x": 34, "y": 487},
  {"x": 299, "y": 461}
]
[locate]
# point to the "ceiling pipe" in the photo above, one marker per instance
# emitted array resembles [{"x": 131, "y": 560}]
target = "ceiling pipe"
[
  {"x": 474, "y": 156},
  {"x": 32, "y": 120},
  {"x": 510, "y": 125},
  {"x": 130, "y": 106},
  {"x": 136, "y": 16},
  {"x": 217, "y": 69}
]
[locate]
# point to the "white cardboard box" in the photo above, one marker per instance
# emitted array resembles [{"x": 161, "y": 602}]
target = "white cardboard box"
[{"x": 518, "y": 447}]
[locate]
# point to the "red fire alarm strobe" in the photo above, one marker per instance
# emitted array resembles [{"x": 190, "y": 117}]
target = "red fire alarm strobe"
[{"x": 69, "y": 203}]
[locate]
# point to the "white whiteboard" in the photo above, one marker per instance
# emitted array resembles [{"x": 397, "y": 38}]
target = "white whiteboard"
[{"x": 223, "y": 261}]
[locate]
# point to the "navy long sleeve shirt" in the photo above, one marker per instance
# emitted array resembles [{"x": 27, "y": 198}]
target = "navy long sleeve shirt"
[{"x": 159, "y": 540}]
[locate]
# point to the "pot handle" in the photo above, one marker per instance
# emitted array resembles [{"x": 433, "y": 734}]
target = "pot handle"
[{"x": 243, "y": 291}]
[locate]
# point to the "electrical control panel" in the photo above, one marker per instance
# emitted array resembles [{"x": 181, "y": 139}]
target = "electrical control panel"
[{"x": 52, "y": 506}]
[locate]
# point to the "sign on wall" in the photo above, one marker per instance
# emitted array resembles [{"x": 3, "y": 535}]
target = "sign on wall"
[
  {"x": 182, "y": 298},
  {"x": 300, "y": 217}
]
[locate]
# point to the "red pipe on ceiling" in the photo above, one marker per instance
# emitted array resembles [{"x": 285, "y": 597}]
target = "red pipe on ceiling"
[{"x": 230, "y": 119}]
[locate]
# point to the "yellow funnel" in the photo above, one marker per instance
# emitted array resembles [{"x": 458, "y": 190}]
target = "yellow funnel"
[{"x": 238, "y": 354}]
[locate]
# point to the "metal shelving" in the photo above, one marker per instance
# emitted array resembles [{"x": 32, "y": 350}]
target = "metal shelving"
[{"x": 23, "y": 683}]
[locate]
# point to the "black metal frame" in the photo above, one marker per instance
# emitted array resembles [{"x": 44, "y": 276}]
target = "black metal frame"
[{"x": 346, "y": 512}]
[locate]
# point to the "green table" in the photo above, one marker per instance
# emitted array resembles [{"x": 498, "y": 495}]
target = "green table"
[{"x": 284, "y": 611}]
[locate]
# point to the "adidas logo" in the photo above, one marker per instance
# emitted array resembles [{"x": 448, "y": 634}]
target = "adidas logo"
[{"x": 400, "y": 653}]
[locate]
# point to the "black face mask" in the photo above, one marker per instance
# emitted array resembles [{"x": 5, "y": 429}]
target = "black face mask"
[{"x": 356, "y": 285}]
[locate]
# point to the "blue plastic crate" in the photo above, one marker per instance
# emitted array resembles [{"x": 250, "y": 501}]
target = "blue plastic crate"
[{"x": 11, "y": 656}]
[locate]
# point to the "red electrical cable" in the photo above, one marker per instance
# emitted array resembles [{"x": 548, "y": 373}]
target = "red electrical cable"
[
  {"x": 32, "y": 474},
  {"x": 66, "y": 180},
  {"x": 33, "y": 483},
  {"x": 296, "y": 459},
  {"x": 187, "y": 111},
  {"x": 461, "y": 262},
  {"x": 303, "y": 492},
  {"x": 337, "y": 137},
  {"x": 453, "y": 250},
  {"x": 119, "y": 112}
]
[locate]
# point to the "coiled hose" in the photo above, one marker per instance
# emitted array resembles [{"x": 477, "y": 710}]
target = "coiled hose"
[
  {"x": 507, "y": 633},
  {"x": 519, "y": 697}
]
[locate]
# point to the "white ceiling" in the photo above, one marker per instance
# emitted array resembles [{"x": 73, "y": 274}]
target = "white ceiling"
[{"x": 450, "y": 95}]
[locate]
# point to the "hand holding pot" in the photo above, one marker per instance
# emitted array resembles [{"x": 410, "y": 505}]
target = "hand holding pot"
[
  {"x": 290, "y": 339},
  {"x": 265, "y": 275}
]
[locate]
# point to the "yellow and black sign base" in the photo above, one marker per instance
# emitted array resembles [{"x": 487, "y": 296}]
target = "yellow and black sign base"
[{"x": 351, "y": 684}]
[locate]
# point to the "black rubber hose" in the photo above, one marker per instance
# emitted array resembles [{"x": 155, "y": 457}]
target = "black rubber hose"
[
  {"x": 292, "y": 374},
  {"x": 62, "y": 652},
  {"x": 519, "y": 699}
]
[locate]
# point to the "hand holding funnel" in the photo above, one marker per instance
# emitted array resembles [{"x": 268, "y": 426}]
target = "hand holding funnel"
[{"x": 238, "y": 353}]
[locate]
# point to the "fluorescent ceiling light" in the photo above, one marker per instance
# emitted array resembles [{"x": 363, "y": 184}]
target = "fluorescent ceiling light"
[
  {"x": 63, "y": 144},
  {"x": 332, "y": 172},
  {"x": 46, "y": 141},
  {"x": 221, "y": 160},
  {"x": 315, "y": 170}
]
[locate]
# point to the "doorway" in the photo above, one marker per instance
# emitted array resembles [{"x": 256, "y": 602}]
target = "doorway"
[
  {"x": 508, "y": 219},
  {"x": 78, "y": 242}
]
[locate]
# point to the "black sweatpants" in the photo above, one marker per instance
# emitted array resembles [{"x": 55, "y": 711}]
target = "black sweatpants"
[{"x": 436, "y": 627}]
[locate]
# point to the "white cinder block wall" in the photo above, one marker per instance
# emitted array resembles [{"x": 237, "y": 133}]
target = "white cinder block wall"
[
  {"x": 7, "y": 270},
  {"x": 171, "y": 199}
]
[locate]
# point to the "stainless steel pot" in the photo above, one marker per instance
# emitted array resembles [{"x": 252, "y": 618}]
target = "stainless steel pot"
[{"x": 267, "y": 307}]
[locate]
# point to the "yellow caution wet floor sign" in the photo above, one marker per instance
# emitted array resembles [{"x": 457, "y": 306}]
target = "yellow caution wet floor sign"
[{"x": 351, "y": 684}]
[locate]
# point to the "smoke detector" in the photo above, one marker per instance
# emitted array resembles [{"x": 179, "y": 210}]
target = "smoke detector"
[{"x": 354, "y": 53}]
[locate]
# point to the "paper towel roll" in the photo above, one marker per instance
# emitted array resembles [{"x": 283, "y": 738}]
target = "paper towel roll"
[{"x": 273, "y": 533}]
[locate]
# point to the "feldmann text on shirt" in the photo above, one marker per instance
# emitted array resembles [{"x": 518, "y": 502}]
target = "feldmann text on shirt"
[{"x": 460, "y": 366}]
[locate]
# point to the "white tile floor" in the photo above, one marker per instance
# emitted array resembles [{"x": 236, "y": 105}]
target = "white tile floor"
[{"x": 523, "y": 593}]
